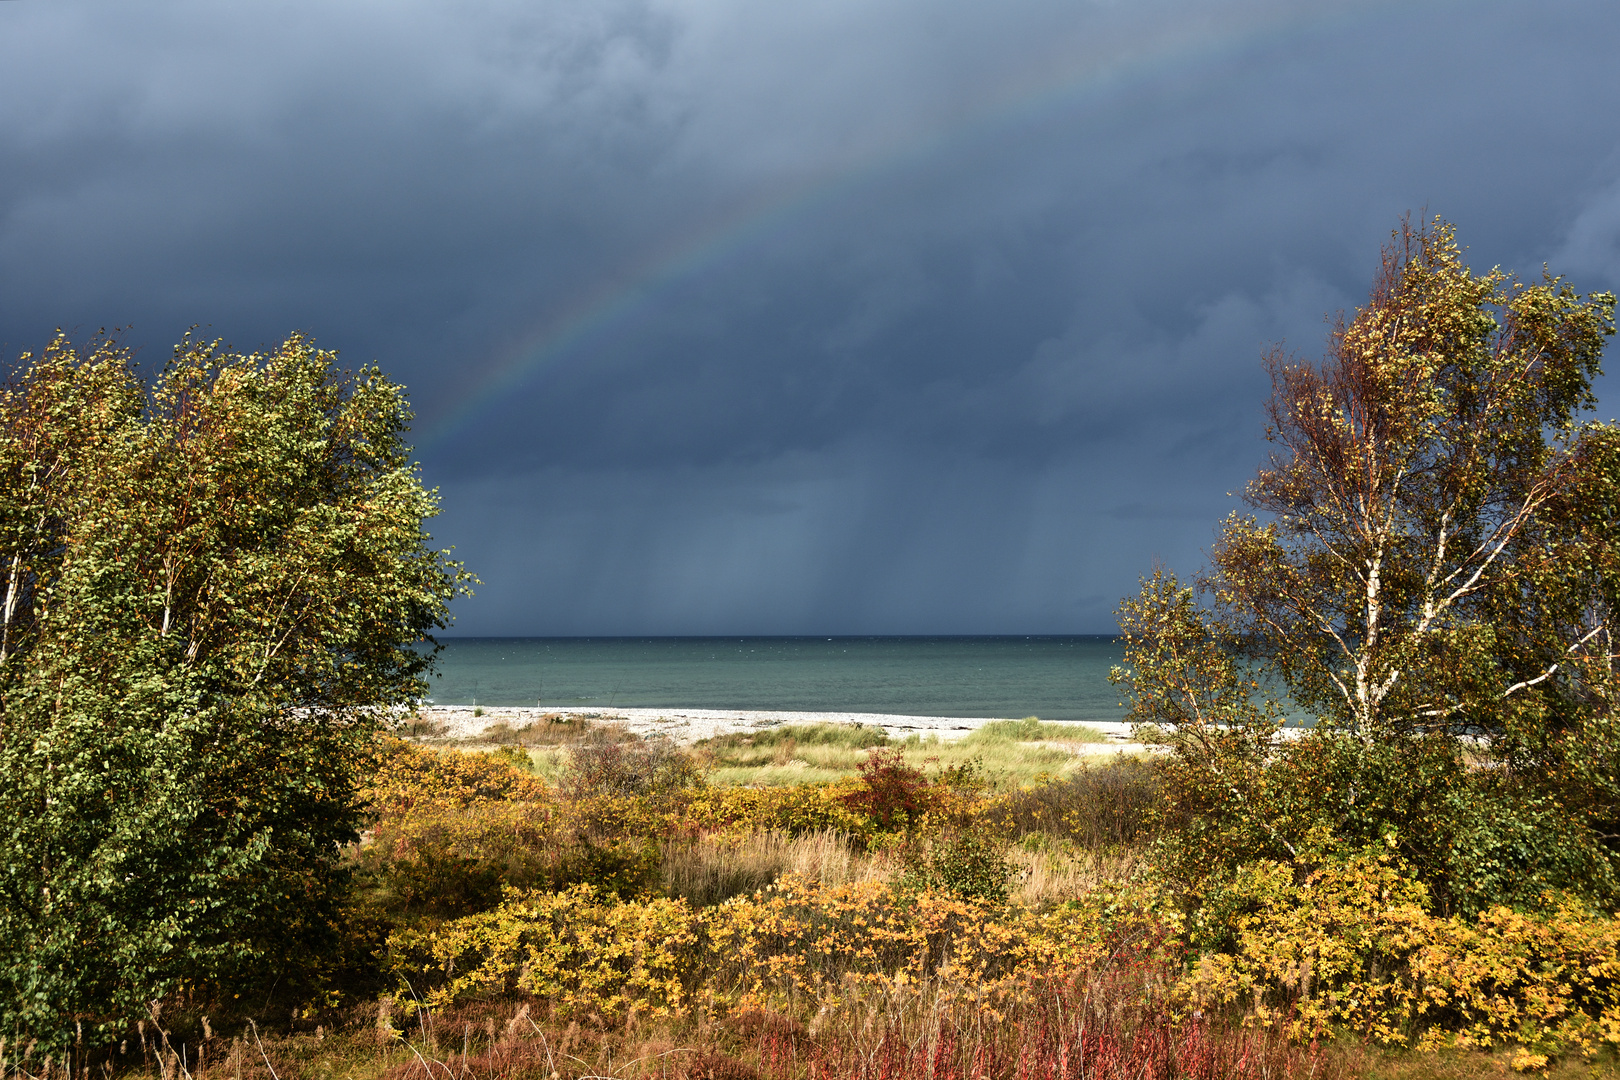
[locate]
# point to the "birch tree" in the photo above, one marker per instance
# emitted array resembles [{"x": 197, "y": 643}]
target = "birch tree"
[
  {"x": 213, "y": 586},
  {"x": 1429, "y": 573},
  {"x": 1409, "y": 570}
]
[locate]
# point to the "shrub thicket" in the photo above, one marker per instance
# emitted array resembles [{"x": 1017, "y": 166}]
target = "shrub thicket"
[{"x": 1350, "y": 947}]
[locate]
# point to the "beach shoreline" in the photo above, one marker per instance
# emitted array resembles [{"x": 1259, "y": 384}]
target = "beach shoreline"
[{"x": 689, "y": 725}]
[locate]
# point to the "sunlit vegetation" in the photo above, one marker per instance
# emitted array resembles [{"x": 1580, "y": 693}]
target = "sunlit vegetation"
[
  {"x": 1005, "y": 752},
  {"x": 212, "y": 581},
  {"x": 1421, "y": 885},
  {"x": 633, "y": 918}
]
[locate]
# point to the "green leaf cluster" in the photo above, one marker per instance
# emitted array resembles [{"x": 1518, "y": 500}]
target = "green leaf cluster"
[{"x": 214, "y": 585}]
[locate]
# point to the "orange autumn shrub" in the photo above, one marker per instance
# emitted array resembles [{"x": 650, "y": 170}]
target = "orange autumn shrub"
[
  {"x": 874, "y": 809},
  {"x": 449, "y": 829},
  {"x": 441, "y": 863}
]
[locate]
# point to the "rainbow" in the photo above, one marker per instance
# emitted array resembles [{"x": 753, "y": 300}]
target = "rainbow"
[{"x": 1060, "y": 85}]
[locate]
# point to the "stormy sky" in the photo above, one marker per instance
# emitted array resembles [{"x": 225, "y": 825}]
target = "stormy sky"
[{"x": 847, "y": 317}]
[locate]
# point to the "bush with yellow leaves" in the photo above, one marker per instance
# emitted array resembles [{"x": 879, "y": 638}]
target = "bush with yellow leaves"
[
  {"x": 1351, "y": 943},
  {"x": 585, "y": 953},
  {"x": 412, "y": 778},
  {"x": 451, "y": 830},
  {"x": 806, "y": 808},
  {"x": 1348, "y": 945}
]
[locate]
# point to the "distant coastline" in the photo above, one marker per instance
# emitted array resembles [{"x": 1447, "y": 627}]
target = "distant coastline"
[{"x": 688, "y": 725}]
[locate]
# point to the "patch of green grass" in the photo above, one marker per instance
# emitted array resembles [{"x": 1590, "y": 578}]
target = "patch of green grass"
[
  {"x": 849, "y": 736},
  {"x": 793, "y": 771},
  {"x": 1032, "y": 729},
  {"x": 1003, "y": 763},
  {"x": 1009, "y": 753}
]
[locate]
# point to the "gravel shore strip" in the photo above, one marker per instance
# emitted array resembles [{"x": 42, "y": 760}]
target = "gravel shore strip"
[{"x": 686, "y": 725}]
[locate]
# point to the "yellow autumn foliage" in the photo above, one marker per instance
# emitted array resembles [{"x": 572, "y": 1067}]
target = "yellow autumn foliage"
[
  {"x": 585, "y": 953},
  {"x": 1353, "y": 945},
  {"x": 451, "y": 829},
  {"x": 560, "y": 903},
  {"x": 1349, "y": 947},
  {"x": 804, "y": 808},
  {"x": 410, "y": 778}
]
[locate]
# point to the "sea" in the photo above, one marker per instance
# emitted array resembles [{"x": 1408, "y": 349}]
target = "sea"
[{"x": 1052, "y": 677}]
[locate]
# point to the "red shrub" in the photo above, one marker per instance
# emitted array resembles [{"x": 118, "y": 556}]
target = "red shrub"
[{"x": 892, "y": 794}]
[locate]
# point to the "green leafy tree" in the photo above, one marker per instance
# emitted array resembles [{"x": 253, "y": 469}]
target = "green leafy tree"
[
  {"x": 1411, "y": 572},
  {"x": 213, "y": 585},
  {"x": 1431, "y": 574}
]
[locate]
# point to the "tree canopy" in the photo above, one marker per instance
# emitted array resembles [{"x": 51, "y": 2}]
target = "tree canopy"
[
  {"x": 1431, "y": 575},
  {"x": 213, "y": 586}
]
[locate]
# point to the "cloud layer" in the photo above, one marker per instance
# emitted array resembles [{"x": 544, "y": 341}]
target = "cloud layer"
[{"x": 721, "y": 317}]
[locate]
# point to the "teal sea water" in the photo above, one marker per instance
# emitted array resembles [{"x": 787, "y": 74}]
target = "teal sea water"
[{"x": 1055, "y": 678}]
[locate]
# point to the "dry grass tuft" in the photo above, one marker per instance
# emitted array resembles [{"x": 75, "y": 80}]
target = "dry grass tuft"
[
  {"x": 1052, "y": 876},
  {"x": 1006, "y": 753},
  {"x": 718, "y": 866},
  {"x": 417, "y": 726},
  {"x": 1105, "y": 1029},
  {"x": 553, "y": 729}
]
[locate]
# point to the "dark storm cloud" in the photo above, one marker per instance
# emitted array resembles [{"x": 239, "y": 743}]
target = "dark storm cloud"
[{"x": 846, "y": 317}]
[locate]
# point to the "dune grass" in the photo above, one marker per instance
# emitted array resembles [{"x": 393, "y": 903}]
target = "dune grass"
[
  {"x": 545, "y": 746},
  {"x": 1009, "y": 753},
  {"x": 789, "y": 754},
  {"x": 1031, "y": 729}
]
